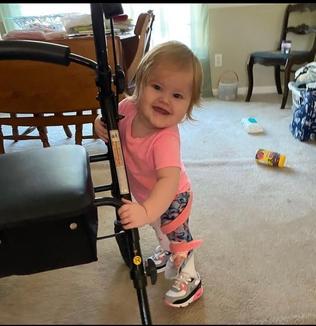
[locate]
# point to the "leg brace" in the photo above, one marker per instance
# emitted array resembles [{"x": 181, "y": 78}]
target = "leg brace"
[{"x": 176, "y": 247}]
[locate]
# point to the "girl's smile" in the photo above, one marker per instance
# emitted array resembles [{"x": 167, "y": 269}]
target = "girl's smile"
[{"x": 164, "y": 100}]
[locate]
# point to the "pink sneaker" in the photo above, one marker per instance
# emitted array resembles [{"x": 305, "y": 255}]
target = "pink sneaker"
[{"x": 184, "y": 291}]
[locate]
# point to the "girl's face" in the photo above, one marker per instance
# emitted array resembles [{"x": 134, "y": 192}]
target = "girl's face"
[{"x": 164, "y": 100}]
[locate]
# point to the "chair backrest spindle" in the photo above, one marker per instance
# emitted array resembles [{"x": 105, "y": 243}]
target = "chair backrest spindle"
[{"x": 143, "y": 30}]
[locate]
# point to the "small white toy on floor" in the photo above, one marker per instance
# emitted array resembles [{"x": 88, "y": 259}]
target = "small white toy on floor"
[{"x": 251, "y": 125}]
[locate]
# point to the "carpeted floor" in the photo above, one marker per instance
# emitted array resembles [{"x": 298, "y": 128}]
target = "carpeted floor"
[{"x": 258, "y": 226}]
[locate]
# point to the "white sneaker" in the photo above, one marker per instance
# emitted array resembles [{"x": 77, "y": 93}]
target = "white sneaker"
[
  {"x": 184, "y": 291},
  {"x": 160, "y": 258}
]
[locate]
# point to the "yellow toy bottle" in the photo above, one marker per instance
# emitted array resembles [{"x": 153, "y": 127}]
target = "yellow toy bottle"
[{"x": 270, "y": 158}]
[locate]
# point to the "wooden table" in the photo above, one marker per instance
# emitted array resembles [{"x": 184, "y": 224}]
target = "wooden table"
[
  {"x": 84, "y": 45},
  {"x": 78, "y": 77}
]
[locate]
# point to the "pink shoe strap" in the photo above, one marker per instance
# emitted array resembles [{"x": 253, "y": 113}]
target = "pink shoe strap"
[{"x": 176, "y": 247}]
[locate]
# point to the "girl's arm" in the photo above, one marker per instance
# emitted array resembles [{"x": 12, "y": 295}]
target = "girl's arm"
[{"x": 134, "y": 215}]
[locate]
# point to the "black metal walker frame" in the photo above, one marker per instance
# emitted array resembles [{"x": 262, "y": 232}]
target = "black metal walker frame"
[{"x": 127, "y": 240}]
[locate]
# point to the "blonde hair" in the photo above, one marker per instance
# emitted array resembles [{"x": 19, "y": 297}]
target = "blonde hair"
[{"x": 178, "y": 55}]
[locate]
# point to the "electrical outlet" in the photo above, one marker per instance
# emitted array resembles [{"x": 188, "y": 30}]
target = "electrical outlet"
[{"x": 218, "y": 60}]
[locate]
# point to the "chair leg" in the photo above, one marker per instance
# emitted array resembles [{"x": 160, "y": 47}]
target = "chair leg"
[
  {"x": 66, "y": 128},
  {"x": 15, "y": 133},
  {"x": 94, "y": 134},
  {"x": 277, "y": 78},
  {"x": 250, "y": 78},
  {"x": 78, "y": 133},
  {"x": 43, "y": 135},
  {"x": 15, "y": 130},
  {"x": 42, "y": 132},
  {"x": 67, "y": 131},
  {"x": 28, "y": 130},
  {"x": 1, "y": 141},
  {"x": 287, "y": 73}
]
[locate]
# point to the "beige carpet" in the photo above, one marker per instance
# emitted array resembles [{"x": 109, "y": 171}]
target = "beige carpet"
[{"x": 258, "y": 260}]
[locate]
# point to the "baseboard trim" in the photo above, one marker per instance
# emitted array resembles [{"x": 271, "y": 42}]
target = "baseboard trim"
[{"x": 256, "y": 90}]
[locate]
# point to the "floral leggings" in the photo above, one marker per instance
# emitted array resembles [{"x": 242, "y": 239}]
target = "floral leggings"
[{"x": 182, "y": 232}]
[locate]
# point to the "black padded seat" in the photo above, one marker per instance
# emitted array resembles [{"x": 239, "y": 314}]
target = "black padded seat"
[
  {"x": 45, "y": 182},
  {"x": 48, "y": 219},
  {"x": 276, "y": 56}
]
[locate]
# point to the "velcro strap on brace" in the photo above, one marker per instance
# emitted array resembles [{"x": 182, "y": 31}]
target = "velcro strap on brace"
[
  {"x": 179, "y": 220},
  {"x": 176, "y": 247}
]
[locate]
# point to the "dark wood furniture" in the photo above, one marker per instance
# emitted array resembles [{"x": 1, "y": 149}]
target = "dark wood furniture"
[
  {"x": 52, "y": 94},
  {"x": 284, "y": 62},
  {"x": 44, "y": 94}
]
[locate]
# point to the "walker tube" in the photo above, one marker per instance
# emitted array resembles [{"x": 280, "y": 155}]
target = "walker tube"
[{"x": 35, "y": 50}]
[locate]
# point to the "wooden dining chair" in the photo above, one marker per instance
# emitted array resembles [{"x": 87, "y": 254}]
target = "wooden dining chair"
[
  {"x": 142, "y": 31},
  {"x": 58, "y": 95},
  {"x": 17, "y": 135},
  {"x": 43, "y": 94},
  {"x": 85, "y": 46},
  {"x": 285, "y": 62}
]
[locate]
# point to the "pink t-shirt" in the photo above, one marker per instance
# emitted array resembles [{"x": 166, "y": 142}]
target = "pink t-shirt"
[{"x": 143, "y": 156}]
